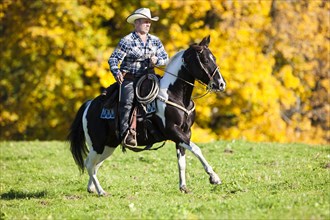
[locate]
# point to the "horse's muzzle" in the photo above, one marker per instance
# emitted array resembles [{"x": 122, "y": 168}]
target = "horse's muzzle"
[
  {"x": 217, "y": 86},
  {"x": 217, "y": 82},
  {"x": 222, "y": 86}
]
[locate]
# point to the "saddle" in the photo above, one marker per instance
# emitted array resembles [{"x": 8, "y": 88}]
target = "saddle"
[{"x": 142, "y": 111}]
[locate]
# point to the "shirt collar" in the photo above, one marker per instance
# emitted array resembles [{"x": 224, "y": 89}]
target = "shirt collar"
[{"x": 136, "y": 36}]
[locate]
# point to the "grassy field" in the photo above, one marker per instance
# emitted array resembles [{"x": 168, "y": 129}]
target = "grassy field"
[{"x": 39, "y": 180}]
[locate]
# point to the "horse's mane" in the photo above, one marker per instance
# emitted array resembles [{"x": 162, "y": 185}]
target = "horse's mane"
[
  {"x": 175, "y": 56},
  {"x": 194, "y": 46},
  {"x": 173, "y": 59}
]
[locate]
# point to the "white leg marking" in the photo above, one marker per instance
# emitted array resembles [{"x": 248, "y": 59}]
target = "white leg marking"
[
  {"x": 93, "y": 162},
  {"x": 214, "y": 178},
  {"x": 91, "y": 187},
  {"x": 88, "y": 163},
  {"x": 182, "y": 169},
  {"x": 107, "y": 152}
]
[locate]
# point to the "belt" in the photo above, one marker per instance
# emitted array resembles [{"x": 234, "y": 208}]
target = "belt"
[
  {"x": 131, "y": 77},
  {"x": 128, "y": 76}
]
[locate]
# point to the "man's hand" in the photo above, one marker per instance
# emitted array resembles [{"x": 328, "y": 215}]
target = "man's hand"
[
  {"x": 119, "y": 78},
  {"x": 153, "y": 60}
]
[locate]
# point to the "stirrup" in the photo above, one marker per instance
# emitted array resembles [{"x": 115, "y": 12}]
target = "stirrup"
[{"x": 124, "y": 141}]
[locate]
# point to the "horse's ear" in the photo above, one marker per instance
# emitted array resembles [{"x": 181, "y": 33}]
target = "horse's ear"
[{"x": 205, "y": 41}]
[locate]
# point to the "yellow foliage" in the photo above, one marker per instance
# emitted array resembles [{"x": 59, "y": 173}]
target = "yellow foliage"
[
  {"x": 290, "y": 81},
  {"x": 326, "y": 84},
  {"x": 200, "y": 135},
  {"x": 7, "y": 116},
  {"x": 287, "y": 98},
  {"x": 274, "y": 57}
]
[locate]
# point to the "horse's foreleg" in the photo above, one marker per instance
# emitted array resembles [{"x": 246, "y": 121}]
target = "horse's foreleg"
[
  {"x": 181, "y": 154},
  {"x": 93, "y": 163},
  {"x": 214, "y": 178}
]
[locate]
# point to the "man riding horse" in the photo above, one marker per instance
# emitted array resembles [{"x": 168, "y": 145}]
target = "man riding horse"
[{"x": 137, "y": 53}]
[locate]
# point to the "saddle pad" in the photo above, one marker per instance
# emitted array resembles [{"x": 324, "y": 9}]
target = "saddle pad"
[
  {"x": 151, "y": 107},
  {"x": 108, "y": 113}
]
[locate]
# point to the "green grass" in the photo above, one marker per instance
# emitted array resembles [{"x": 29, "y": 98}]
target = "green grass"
[{"x": 39, "y": 180}]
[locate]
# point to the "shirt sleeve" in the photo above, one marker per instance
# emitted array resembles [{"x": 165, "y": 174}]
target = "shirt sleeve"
[
  {"x": 118, "y": 56},
  {"x": 161, "y": 54}
]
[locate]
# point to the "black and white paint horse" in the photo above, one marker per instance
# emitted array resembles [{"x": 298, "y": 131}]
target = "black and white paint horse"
[{"x": 174, "y": 116}]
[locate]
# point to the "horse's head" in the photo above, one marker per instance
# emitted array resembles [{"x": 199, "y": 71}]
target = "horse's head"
[{"x": 201, "y": 63}]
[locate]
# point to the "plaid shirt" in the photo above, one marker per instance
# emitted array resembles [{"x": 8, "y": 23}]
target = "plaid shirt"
[{"x": 134, "y": 55}]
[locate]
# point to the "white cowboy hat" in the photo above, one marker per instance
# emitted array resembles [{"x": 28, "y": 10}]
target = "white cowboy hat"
[{"x": 141, "y": 13}]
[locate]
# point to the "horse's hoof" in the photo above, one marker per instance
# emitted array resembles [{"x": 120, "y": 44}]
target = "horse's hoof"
[
  {"x": 215, "y": 180},
  {"x": 91, "y": 190},
  {"x": 104, "y": 193},
  {"x": 184, "y": 190}
]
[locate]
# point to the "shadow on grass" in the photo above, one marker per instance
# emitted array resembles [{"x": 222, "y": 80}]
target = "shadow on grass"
[{"x": 13, "y": 194}]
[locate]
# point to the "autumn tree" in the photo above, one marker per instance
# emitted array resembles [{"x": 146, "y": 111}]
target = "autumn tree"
[
  {"x": 273, "y": 54},
  {"x": 50, "y": 54}
]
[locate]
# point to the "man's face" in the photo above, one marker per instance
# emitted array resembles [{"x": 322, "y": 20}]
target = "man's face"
[{"x": 142, "y": 25}]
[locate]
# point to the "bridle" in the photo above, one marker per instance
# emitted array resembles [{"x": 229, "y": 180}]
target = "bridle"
[
  {"x": 208, "y": 86},
  {"x": 210, "y": 76}
]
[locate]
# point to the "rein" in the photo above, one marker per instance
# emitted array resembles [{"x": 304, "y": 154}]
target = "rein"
[
  {"x": 208, "y": 86},
  {"x": 189, "y": 83}
]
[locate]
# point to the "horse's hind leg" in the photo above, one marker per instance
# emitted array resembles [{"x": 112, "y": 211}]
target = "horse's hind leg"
[
  {"x": 214, "y": 178},
  {"x": 93, "y": 163}
]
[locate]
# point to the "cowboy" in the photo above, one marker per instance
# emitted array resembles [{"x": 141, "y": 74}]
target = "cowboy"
[{"x": 137, "y": 53}]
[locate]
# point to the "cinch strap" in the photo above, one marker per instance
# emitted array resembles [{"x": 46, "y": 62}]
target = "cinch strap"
[{"x": 176, "y": 105}]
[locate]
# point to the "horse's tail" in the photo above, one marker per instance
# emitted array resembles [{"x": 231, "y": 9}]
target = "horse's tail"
[{"x": 76, "y": 137}]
